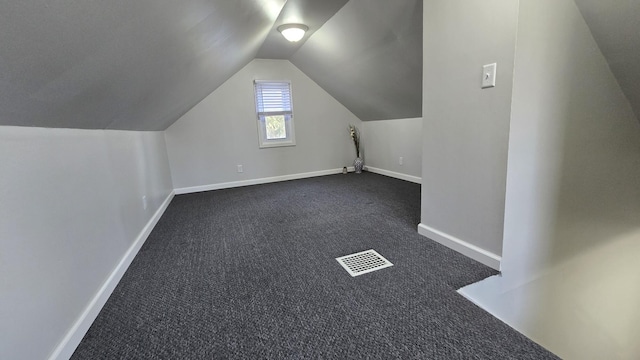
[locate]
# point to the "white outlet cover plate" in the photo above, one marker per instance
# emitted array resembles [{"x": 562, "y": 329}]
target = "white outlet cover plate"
[{"x": 489, "y": 75}]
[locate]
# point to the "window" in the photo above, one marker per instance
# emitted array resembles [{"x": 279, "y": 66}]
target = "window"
[{"x": 275, "y": 113}]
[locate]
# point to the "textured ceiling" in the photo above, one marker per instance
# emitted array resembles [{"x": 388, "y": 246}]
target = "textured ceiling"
[
  {"x": 140, "y": 65},
  {"x": 615, "y": 25},
  {"x": 369, "y": 57},
  {"x": 121, "y": 64}
]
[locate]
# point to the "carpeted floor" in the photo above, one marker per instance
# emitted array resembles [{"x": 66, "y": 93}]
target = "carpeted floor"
[{"x": 250, "y": 273}]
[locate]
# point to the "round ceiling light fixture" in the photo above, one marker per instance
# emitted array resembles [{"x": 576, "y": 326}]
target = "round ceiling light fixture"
[{"x": 293, "y": 32}]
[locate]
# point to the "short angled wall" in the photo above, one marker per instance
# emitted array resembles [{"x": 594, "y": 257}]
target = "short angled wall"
[
  {"x": 73, "y": 338},
  {"x": 393, "y": 174},
  {"x": 394, "y": 147},
  {"x": 78, "y": 205},
  {"x": 490, "y": 259}
]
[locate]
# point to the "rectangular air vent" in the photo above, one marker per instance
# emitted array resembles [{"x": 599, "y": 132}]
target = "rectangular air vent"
[{"x": 363, "y": 262}]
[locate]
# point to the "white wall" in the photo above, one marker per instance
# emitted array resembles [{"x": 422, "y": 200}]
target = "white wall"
[
  {"x": 466, "y": 128},
  {"x": 385, "y": 141},
  {"x": 206, "y": 144},
  {"x": 570, "y": 269},
  {"x": 71, "y": 209}
]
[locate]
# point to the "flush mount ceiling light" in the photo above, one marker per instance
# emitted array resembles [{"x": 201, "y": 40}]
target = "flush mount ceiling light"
[{"x": 293, "y": 32}]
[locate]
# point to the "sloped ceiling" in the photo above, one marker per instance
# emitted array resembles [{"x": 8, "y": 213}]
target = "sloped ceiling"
[
  {"x": 369, "y": 57},
  {"x": 615, "y": 25},
  {"x": 121, "y": 64},
  {"x": 312, "y": 13},
  {"x": 140, "y": 65}
]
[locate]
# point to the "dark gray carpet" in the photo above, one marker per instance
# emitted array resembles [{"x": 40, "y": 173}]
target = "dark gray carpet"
[{"x": 250, "y": 273}]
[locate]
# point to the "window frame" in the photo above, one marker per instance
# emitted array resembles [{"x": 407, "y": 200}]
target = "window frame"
[{"x": 263, "y": 141}]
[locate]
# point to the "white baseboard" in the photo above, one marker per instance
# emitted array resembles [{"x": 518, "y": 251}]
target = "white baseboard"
[
  {"x": 68, "y": 345},
  {"x": 488, "y": 258},
  {"x": 233, "y": 184},
  {"x": 393, "y": 174}
]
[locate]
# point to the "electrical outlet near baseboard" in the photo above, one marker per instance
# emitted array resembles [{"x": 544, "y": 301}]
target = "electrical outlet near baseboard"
[
  {"x": 401, "y": 160},
  {"x": 144, "y": 202},
  {"x": 240, "y": 169}
]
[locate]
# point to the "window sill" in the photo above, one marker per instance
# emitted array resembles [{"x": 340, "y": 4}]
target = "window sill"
[{"x": 277, "y": 144}]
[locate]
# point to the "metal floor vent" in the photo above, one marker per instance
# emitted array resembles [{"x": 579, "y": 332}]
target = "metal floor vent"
[{"x": 363, "y": 262}]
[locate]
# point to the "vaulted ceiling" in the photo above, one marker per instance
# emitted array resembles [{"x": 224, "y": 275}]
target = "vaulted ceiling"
[
  {"x": 121, "y": 64},
  {"x": 369, "y": 57},
  {"x": 140, "y": 65}
]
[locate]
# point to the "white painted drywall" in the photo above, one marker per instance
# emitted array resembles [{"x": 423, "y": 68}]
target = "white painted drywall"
[
  {"x": 385, "y": 141},
  {"x": 71, "y": 206},
  {"x": 206, "y": 144},
  {"x": 575, "y": 148},
  {"x": 466, "y": 128},
  {"x": 570, "y": 269}
]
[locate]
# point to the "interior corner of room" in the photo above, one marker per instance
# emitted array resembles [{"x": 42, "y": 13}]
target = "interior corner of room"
[{"x": 529, "y": 166}]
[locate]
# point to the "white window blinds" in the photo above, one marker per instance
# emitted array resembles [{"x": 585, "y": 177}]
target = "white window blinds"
[{"x": 273, "y": 98}]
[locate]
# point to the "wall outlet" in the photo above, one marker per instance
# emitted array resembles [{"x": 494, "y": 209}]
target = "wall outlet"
[
  {"x": 400, "y": 160},
  {"x": 240, "y": 168},
  {"x": 144, "y": 202}
]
